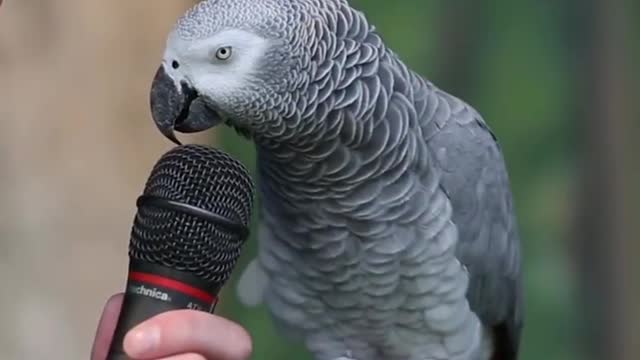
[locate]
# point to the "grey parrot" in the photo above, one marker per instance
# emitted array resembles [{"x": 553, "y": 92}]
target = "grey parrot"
[{"x": 387, "y": 228}]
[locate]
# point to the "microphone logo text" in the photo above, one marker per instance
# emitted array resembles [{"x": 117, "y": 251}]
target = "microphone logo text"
[{"x": 150, "y": 292}]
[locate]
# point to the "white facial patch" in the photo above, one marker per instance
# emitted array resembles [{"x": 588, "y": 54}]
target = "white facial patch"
[{"x": 211, "y": 76}]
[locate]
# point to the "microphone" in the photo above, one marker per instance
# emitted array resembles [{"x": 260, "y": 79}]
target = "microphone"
[{"x": 191, "y": 223}]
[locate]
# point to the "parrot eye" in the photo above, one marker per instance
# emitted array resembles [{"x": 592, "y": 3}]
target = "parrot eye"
[{"x": 223, "y": 53}]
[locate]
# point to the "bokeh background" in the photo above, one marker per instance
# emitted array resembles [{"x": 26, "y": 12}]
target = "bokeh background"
[{"x": 556, "y": 80}]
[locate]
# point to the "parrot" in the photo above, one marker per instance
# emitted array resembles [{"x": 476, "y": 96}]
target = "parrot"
[{"x": 387, "y": 223}]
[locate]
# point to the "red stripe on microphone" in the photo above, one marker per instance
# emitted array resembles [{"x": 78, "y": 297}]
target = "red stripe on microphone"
[{"x": 173, "y": 285}]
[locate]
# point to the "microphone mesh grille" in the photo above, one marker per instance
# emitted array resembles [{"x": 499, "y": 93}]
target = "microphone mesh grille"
[{"x": 209, "y": 179}]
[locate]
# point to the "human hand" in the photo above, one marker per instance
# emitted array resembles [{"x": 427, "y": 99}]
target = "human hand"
[{"x": 174, "y": 335}]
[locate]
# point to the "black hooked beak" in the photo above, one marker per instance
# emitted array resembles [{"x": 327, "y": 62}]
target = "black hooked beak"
[{"x": 178, "y": 109}]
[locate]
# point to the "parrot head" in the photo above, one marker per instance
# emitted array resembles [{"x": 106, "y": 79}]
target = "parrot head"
[{"x": 239, "y": 62}]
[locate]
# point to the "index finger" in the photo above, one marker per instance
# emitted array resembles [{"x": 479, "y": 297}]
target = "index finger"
[{"x": 188, "y": 331}]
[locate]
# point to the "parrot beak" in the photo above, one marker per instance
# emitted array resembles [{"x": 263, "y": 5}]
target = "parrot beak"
[{"x": 178, "y": 108}]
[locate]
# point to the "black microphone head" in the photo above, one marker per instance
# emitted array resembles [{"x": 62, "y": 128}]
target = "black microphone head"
[{"x": 206, "y": 181}]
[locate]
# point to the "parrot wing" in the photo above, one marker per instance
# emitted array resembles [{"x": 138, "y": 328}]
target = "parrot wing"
[{"x": 475, "y": 179}]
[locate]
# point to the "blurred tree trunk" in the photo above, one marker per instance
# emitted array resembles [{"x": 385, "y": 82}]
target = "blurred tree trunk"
[
  {"x": 605, "y": 236},
  {"x": 76, "y": 145},
  {"x": 462, "y": 25}
]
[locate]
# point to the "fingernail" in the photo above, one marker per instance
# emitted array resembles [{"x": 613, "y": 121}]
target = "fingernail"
[{"x": 141, "y": 340}]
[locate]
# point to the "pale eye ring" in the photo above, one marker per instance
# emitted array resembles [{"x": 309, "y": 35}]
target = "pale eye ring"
[{"x": 223, "y": 53}]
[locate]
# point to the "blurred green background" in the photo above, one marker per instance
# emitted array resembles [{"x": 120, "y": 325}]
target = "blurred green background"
[{"x": 557, "y": 81}]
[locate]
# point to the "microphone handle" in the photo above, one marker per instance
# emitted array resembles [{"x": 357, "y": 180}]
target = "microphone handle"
[{"x": 153, "y": 289}]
